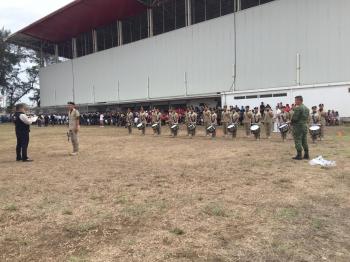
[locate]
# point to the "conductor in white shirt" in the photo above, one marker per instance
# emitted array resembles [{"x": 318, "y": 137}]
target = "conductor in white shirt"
[{"x": 22, "y": 123}]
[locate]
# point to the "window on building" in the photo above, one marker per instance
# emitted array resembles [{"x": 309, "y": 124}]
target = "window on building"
[
  {"x": 84, "y": 44},
  {"x": 265, "y": 96},
  {"x": 135, "y": 28},
  {"x": 251, "y": 97},
  {"x": 198, "y": 8},
  {"x": 249, "y": 3},
  {"x": 65, "y": 49},
  {"x": 227, "y": 7},
  {"x": 280, "y": 94},
  {"x": 180, "y": 13},
  {"x": 239, "y": 97},
  {"x": 107, "y": 36}
]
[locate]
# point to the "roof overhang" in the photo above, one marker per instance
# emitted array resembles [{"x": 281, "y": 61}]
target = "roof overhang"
[{"x": 75, "y": 18}]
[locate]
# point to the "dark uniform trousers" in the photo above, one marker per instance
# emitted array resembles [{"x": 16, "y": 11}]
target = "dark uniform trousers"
[{"x": 22, "y": 145}]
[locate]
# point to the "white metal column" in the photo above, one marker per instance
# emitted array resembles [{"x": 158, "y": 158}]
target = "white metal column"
[
  {"x": 74, "y": 47},
  {"x": 188, "y": 11},
  {"x": 150, "y": 22},
  {"x": 94, "y": 41},
  {"x": 120, "y": 32}
]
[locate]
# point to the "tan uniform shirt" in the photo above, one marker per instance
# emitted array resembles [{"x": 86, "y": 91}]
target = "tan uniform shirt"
[
  {"x": 315, "y": 119},
  {"x": 226, "y": 116},
  {"x": 235, "y": 117},
  {"x": 214, "y": 118},
  {"x": 173, "y": 118},
  {"x": 256, "y": 118},
  {"x": 192, "y": 118},
  {"x": 322, "y": 116},
  {"x": 268, "y": 117},
  {"x": 207, "y": 116},
  {"x": 247, "y": 117},
  {"x": 143, "y": 118},
  {"x": 73, "y": 118},
  {"x": 130, "y": 119}
]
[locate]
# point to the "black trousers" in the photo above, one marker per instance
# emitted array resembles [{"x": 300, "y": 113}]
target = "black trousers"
[{"x": 22, "y": 145}]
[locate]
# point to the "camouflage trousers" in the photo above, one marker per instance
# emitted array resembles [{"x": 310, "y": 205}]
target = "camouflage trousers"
[{"x": 300, "y": 138}]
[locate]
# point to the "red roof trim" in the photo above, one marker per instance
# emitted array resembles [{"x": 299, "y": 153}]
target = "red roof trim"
[{"x": 81, "y": 16}]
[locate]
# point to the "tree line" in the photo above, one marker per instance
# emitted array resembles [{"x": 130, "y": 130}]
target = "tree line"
[{"x": 19, "y": 72}]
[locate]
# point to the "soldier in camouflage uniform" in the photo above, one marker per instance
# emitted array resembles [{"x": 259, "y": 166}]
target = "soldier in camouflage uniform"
[{"x": 300, "y": 122}]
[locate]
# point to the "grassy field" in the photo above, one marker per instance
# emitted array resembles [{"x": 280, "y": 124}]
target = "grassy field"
[{"x": 133, "y": 198}]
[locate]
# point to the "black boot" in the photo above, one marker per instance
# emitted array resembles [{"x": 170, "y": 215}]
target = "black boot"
[
  {"x": 298, "y": 156},
  {"x": 306, "y": 155}
]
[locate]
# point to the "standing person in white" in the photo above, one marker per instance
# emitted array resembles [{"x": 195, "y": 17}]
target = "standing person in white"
[{"x": 102, "y": 120}]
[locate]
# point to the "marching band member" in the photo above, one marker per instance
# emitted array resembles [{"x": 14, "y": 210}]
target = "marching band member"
[
  {"x": 283, "y": 119},
  {"x": 225, "y": 119},
  {"x": 323, "y": 116},
  {"x": 268, "y": 120},
  {"x": 213, "y": 121},
  {"x": 256, "y": 120},
  {"x": 129, "y": 120},
  {"x": 235, "y": 120},
  {"x": 206, "y": 119},
  {"x": 156, "y": 119},
  {"x": 192, "y": 120},
  {"x": 247, "y": 120},
  {"x": 143, "y": 120},
  {"x": 173, "y": 120},
  {"x": 315, "y": 117}
]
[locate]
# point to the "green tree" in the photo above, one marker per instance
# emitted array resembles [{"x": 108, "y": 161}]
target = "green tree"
[{"x": 16, "y": 82}]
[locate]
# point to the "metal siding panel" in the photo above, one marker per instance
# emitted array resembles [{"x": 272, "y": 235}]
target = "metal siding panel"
[{"x": 56, "y": 84}]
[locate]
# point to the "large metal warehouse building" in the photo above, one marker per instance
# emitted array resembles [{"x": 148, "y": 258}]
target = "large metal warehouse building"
[{"x": 237, "y": 52}]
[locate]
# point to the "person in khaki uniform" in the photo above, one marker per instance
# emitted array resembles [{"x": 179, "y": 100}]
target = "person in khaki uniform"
[
  {"x": 315, "y": 118},
  {"x": 192, "y": 120},
  {"x": 247, "y": 120},
  {"x": 234, "y": 120},
  {"x": 74, "y": 127},
  {"x": 256, "y": 120},
  {"x": 268, "y": 121},
  {"x": 323, "y": 115},
  {"x": 129, "y": 120},
  {"x": 213, "y": 122},
  {"x": 173, "y": 120},
  {"x": 156, "y": 119},
  {"x": 143, "y": 120},
  {"x": 225, "y": 119},
  {"x": 283, "y": 118},
  {"x": 206, "y": 119}
]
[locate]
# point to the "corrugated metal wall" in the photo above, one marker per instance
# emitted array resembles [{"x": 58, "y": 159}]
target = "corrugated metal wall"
[{"x": 199, "y": 59}]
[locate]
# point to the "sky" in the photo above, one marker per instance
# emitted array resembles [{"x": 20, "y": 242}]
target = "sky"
[{"x": 17, "y": 14}]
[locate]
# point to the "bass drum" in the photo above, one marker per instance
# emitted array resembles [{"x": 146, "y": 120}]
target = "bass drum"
[{"x": 255, "y": 129}]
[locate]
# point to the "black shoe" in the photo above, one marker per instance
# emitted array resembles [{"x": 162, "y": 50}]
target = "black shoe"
[
  {"x": 298, "y": 156},
  {"x": 27, "y": 160},
  {"x": 306, "y": 155},
  {"x": 18, "y": 159}
]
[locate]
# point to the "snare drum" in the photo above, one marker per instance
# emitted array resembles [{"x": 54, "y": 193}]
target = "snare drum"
[
  {"x": 191, "y": 127},
  {"x": 255, "y": 129},
  {"x": 232, "y": 128},
  {"x": 284, "y": 128},
  {"x": 315, "y": 130},
  {"x": 174, "y": 127},
  {"x": 155, "y": 126},
  {"x": 211, "y": 129},
  {"x": 140, "y": 126}
]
